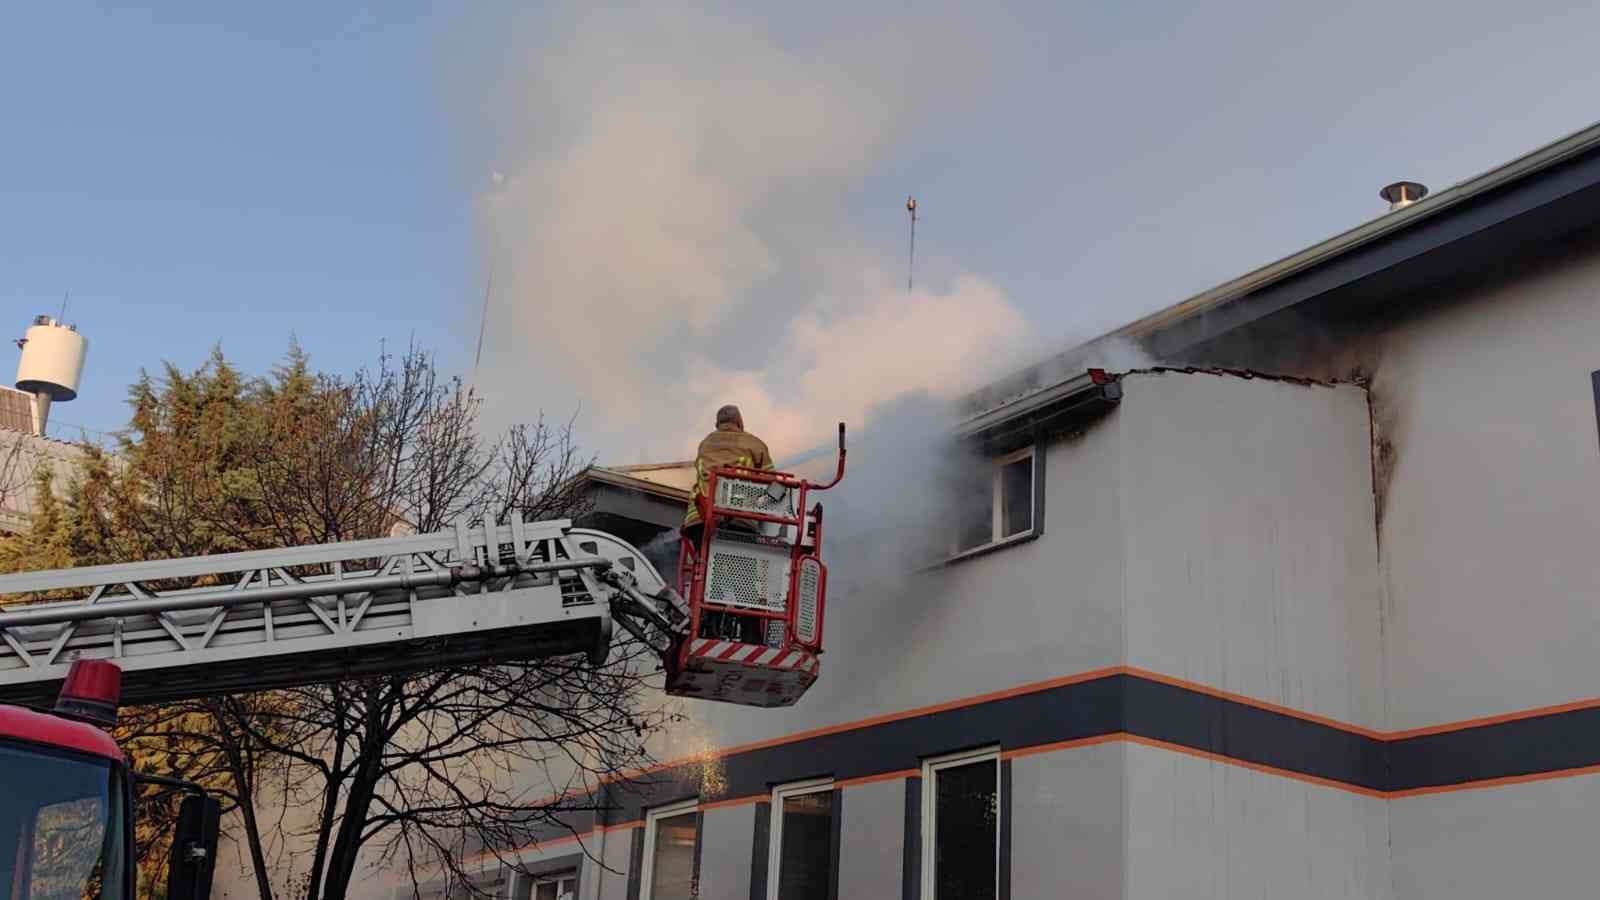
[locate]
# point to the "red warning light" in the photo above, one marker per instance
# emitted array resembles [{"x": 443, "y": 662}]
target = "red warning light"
[{"x": 92, "y": 692}]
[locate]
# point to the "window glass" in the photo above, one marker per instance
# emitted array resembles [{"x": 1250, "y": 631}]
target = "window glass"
[
  {"x": 59, "y": 824},
  {"x": 1016, "y": 497},
  {"x": 554, "y": 888},
  {"x": 975, "y": 512},
  {"x": 806, "y": 846},
  {"x": 672, "y": 857},
  {"x": 966, "y": 831}
]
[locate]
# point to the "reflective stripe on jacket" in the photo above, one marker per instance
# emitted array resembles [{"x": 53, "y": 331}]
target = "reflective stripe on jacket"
[{"x": 727, "y": 446}]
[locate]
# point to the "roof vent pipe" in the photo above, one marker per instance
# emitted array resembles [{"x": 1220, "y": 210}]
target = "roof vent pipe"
[{"x": 1403, "y": 193}]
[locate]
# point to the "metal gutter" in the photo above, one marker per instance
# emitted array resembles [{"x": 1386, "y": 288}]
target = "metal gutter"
[
  {"x": 1027, "y": 404},
  {"x": 1037, "y": 415}
]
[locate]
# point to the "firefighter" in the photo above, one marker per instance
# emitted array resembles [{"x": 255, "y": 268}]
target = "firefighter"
[{"x": 728, "y": 445}]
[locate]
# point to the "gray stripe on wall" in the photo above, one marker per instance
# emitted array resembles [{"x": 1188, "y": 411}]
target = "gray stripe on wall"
[
  {"x": 1594, "y": 377},
  {"x": 911, "y": 865},
  {"x": 699, "y": 841},
  {"x": 635, "y": 862},
  {"x": 833, "y": 844},
  {"x": 1005, "y": 830},
  {"x": 759, "y": 848}
]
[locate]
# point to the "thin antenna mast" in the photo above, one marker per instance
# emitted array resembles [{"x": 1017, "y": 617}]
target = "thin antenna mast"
[
  {"x": 483, "y": 319},
  {"x": 911, "y": 264},
  {"x": 63, "y": 317}
]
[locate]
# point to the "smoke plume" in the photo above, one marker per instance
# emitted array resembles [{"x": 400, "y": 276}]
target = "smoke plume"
[{"x": 667, "y": 224}]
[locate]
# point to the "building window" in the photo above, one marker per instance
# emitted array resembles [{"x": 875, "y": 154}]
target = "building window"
[
  {"x": 998, "y": 505},
  {"x": 555, "y": 887},
  {"x": 961, "y": 827},
  {"x": 800, "y": 861},
  {"x": 554, "y": 878},
  {"x": 669, "y": 844}
]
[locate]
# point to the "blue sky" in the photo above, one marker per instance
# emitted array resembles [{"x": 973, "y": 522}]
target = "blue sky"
[
  {"x": 194, "y": 176},
  {"x": 237, "y": 173}
]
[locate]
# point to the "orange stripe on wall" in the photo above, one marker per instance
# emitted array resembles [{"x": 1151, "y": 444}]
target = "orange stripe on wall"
[
  {"x": 1062, "y": 745},
  {"x": 1250, "y": 701},
  {"x": 735, "y": 801},
  {"x": 873, "y": 779},
  {"x": 1464, "y": 724}
]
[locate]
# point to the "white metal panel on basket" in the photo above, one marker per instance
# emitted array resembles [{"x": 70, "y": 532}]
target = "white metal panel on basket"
[
  {"x": 755, "y": 496},
  {"x": 747, "y": 574},
  {"x": 805, "y": 612}
]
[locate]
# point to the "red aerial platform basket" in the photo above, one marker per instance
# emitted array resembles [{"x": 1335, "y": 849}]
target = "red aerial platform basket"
[{"x": 755, "y": 588}]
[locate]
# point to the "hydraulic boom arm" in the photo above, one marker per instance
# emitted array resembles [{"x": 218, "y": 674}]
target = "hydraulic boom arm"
[{"x": 264, "y": 619}]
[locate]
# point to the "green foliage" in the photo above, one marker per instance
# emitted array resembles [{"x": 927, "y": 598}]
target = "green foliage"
[
  {"x": 416, "y": 769},
  {"x": 182, "y": 482}
]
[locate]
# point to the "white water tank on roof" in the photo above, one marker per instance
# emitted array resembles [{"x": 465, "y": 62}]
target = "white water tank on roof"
[{"x": 52, "y": 360}]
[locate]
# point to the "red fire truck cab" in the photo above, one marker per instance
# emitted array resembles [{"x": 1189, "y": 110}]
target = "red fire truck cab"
[{"x": 66, "y": 820}]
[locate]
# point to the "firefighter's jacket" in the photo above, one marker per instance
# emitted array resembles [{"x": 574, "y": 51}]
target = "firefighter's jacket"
[{"x": 727, "y": 446}]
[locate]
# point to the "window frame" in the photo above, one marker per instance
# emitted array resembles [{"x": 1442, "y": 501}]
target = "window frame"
[
  {"x": 775, "y": 828},
  {"x": 647, "y": 867},
  {"x": 565, "y": 876},
  {"x": 930, "y": 770},
  {"x": 997, "y": 465}
]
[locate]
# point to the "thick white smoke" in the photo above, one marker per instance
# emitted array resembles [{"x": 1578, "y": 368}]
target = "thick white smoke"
[{"x": 667, "y": 227}]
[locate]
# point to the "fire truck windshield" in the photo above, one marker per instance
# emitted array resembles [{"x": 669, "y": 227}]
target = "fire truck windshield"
[{"x": 60, "y": 826}]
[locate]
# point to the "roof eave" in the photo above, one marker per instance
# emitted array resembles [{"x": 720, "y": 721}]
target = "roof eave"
[
  {"x": 617, "y": 479},
  {"x": 1573, "y": 145},
  {"x": 1063, "y": 405}
]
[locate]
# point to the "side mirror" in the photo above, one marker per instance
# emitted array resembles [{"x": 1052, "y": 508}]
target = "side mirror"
[{"x": 194, "y": 848}]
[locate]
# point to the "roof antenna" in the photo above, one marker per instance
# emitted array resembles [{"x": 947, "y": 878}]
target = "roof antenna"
[
  {"x": 483, "y": 319},
  {"x": 496, "y": 179},
  {"x": 911, "y": 264},
  {"x": 63, "y": 317}
]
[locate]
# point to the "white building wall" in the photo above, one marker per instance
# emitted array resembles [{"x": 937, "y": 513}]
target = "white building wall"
[
  {"x": 1069, "y": 824},
  {"x": 872, "y": 839},
  {"x": 1525, "y": 840},
  {"x": 609, "y": 882},
  {"x": 726, "y": 839},
  {"x": 1490, "y": 525},
  {"x": 1203, "y": 829},
  {"x": 1250, "y": 561},
  {"x": 1489, "y": 535}
]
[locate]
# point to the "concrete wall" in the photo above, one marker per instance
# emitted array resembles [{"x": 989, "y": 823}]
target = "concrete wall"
[
  {"x": 725, "y": 842},
  {"x": 1488, "y": 540},
  {"x": 1526, "y": 840},
  {"x": 1490, "y": 526},
  {"x": 610, "y": 881},
  {"x": 1248, "y": 525},
  {"x": 872, "y": 839},
  {"x": 1203, "y": 829},
  {"x": 1069, "y": 829},
  {"x": 1251, "y": 568}
]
